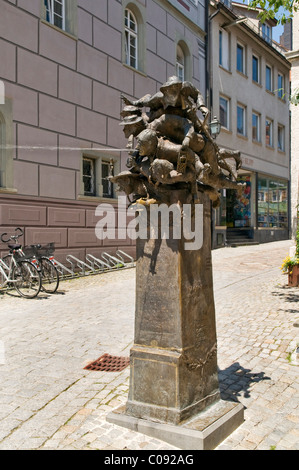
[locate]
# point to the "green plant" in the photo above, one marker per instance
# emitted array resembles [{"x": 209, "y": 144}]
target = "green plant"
[{"x": 288, "y": 263}]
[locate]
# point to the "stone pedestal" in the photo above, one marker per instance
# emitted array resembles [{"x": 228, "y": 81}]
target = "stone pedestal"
[{"x": 173, "y": 375}]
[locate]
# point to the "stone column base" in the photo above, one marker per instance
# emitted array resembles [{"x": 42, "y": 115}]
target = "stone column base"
[{"x": 204, "y": 431}]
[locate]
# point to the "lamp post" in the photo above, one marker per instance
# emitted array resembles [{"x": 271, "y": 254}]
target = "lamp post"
[{"x": 215, "y": 127}]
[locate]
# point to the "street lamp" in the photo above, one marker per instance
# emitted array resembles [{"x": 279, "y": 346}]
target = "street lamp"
[{"x": 215, "y": 127}]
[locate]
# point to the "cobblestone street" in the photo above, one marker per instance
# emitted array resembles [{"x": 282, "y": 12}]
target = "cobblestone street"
[{"x": 49, "y": 401}]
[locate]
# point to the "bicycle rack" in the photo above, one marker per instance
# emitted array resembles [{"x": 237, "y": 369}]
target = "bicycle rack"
[
  {"x": 97, "y": 263},
  {"x": 63, "y": 270},
  {"x": 91, "y": 265},
  {"x": 80, "y": 264},
  {"x": 122, "y": 254},
  {"x": 115, "y": 263}
]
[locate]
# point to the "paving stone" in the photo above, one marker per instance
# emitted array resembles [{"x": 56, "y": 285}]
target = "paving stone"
[{"x": 48, "y": 401}]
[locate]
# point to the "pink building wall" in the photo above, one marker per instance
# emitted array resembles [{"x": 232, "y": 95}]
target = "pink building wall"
[{"x": 65, "y": 93}]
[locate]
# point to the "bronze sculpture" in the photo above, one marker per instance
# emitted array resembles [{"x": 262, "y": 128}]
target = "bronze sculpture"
[{"x": 174, "y": 148}]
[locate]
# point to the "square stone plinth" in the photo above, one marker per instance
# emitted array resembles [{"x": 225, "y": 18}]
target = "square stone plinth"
[{"x": 204, "y": 431}]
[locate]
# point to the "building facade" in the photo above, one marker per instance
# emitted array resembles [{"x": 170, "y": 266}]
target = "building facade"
[
  {"x": 249, "y": 93},
  {"x": 63, "y": 67},
  {"x": 293, "y": 57}
]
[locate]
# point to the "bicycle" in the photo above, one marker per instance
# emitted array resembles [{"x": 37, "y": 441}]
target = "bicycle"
[
  {"x": 19, "y": 272},
  {"x": 44, "y": 261}
]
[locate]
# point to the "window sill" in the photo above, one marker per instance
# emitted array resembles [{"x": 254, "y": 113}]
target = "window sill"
[
  {"x": 225, "y": 70},
  {"x": 243, "y": 137},
  {"x": 82, "y": 197},
  {"x": 242, "y": 74},
  {"x": 270, "y": 92},
  {"x": 257, "y": 84},
  {"x": 8, "y": 191},
  {"x": 226, "y": 130},
  {"x": 134, "y": 70},
  {"x": 70, "y": 35},
  {"x": 270, "y": 147},
  {"x": 257, "y": 142}
]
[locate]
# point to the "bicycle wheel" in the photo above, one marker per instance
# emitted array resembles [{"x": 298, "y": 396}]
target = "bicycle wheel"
[
  {"x": 27, "y": 279},
  {"x": 50, "y": 276}
]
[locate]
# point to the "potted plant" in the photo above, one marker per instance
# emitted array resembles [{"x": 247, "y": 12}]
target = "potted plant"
[{"x": 290, "y": 264}]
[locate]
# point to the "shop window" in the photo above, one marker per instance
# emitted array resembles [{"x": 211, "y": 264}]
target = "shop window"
[{"x": 272, "y": 203}]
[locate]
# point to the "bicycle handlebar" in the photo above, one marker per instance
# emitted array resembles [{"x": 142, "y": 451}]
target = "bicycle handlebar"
[{"x": 13, "y": 237}]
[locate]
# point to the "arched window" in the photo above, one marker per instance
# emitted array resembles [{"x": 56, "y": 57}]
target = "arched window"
[
  {"x": 180, "y": 63},
  {"x": 131, "y": 39}
]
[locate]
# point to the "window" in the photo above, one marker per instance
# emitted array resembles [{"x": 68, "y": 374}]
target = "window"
[
  {"x": 241, "y": 117},
  {"x": 272, "y": 202},
  {"x": 95, "y": 173},
  {"x": 256, "y": 127},
  {"x": 269, "y": 132},
  {"x": 280, "y": 82},
  {"x": 224, "y": 112},
  {"x": 55, "y": 12},
  {"x": 107, "y": 186},
  {"x": 255, "y": 69},
  {"x": 240, "y": 58},
  {"x": 6, "y": 145},
  {"x": 131, "y": 39},
  {"x": 224, "y": 47},
  {"x": 62, "y": 14},
  {"x": 180, "y": 63},
  {"x": 266, "y": 32},
  {"x": 89, "y": 176},
  {"x": 269, "y": 78},
  {"x": 281, "y": 138}
]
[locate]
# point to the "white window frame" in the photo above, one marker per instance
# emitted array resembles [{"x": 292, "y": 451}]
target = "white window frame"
[
  {"x": 226, "y": 112},
  {"x": 51, "y": 14},
  {"x": 92, "y": 176},
  {"x": 258, "y": 127},
  {"x": 243, "y": 108},
  {"x": 131, "y": 35},
  {"x": 268, "y": 67},
  {"x": 280, "y": 87},
  {"x": 241, "y": 46},
  {"x": 224, "y": 49},
  {"x": 281, "y": 129},
  {"x": 97, "y": 179},
  {"x": 180, "y": 63},
  {"x": 270, "y": 121},
  {"x": 254, "y": 56}
]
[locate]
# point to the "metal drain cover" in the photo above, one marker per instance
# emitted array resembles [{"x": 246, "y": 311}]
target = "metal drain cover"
[{"x": 109, "y": 363}]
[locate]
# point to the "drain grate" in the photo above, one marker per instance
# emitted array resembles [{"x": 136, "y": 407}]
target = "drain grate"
[{"x": 109, "y": 363}]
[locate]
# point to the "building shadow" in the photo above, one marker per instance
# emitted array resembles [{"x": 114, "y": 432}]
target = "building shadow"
[{"x": 236, "y": 381}]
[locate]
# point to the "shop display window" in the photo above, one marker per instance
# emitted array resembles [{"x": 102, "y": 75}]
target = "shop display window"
[{"x": 272, "y": 203}]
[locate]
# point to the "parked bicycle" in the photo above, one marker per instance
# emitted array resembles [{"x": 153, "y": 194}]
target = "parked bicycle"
[
  {"x": 42, "y": 257},
  {"x": 18, "y": 272},
  {"x": 46, "y": 263}
]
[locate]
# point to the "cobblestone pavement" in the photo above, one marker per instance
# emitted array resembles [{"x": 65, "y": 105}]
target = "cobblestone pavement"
[{"x": 49, "y": 401}]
